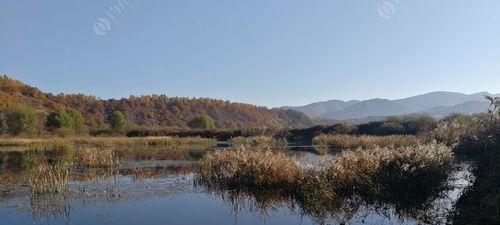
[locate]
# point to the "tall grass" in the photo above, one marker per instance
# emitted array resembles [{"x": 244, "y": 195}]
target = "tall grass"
[
  {"x": 259, "y": 142},
  {"x": 324, "y": 143},
  {"x": 387, "y": 171},
  {"x": 91, "y": 157},
  {"x": 374, "y": 172},
  {"x": 107, "y": 141},
  {"x": 49, "y": 179},
  {"x": 242, "y": 168}
]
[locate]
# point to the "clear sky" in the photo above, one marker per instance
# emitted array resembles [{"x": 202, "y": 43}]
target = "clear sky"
[{"x": 267, "y": 52}]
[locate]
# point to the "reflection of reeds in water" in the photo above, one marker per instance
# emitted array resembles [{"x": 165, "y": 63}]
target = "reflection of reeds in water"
[
  {"x": 44, "y": 207},
  {"x": 49, "y": 179},
  {"x": 139, "y": 174}
]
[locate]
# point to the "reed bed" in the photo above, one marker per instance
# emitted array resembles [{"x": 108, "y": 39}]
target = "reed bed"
[
  {"x": 325, "y": 143},
  {"x": 380, "y": 172},
  {"x": 242, "y": 168},
  {"x": 259, "y": 142},
  {"x": 49, "y": 179},
  {"x": 49, "y": 143},
  {"x": 145, "y": 141},
  {"x": 386, "y": 171},
  {"x": 92, "y": 157}
]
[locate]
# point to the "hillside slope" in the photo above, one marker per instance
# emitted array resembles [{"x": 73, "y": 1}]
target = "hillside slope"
[{"x": 152, "y": 110}]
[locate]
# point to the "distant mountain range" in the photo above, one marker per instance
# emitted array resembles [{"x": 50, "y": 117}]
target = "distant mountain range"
[{"x": 437, "y": 104}]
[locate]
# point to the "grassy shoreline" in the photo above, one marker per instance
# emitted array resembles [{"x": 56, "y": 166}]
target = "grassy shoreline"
[{"x": 106, "y": 142}]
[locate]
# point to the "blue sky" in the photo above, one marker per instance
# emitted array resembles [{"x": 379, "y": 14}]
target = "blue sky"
[{"x": 267, "y": 52}]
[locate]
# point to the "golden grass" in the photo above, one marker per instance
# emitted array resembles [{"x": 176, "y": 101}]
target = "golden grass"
[
  {"x": 107, "y": 142},
  {"x": 248, "y": 169},
  {"x": 375, "y": 172},
  {"x": 48, "y": 179},
  {"x": 92, "y": 157},
  {"x": 340, "y": 142},
  {"x": 259, "y": 142}
]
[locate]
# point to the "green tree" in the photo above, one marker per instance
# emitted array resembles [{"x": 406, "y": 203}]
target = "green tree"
[
  {"x": 65, "y": 118},
  {"x": 117, "y": 120},
  {"x": 21, "y": 119},
  {"x": 202, "y": 122}
]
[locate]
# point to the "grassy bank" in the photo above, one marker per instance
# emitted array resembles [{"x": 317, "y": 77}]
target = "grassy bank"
[{"x": 325, "y": 143}]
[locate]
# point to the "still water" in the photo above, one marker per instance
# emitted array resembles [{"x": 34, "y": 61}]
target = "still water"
[{"x": 157, "y": 187}]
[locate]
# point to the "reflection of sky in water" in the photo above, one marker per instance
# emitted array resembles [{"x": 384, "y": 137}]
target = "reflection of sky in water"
[{"x": 162, "y": 192}]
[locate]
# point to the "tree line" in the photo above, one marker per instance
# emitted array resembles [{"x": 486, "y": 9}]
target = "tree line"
[{"x": 78, "y": 112}]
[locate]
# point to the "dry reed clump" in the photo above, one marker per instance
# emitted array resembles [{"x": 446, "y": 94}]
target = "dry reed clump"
[
  {"x": 259, "y": 142},
  {"x": 339, "y": 142},
  {"x": 378, "y": 173},
  {"x": 242, "y": 168},
  {"x": 92, "y": 157},
  {"x": 385, "y": 171},
  {"x": 49, "y": 179}
]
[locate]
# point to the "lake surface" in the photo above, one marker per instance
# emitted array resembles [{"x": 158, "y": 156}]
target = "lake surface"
[{"x": 155, "y": 186}]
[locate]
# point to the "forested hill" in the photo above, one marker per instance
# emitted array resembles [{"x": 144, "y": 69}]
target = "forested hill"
[{"x": 151, "y": 110}]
